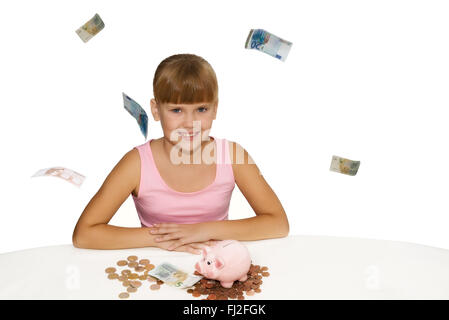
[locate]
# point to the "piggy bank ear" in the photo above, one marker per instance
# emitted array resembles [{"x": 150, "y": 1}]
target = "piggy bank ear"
[
  {"x": 205, "y": 251},
  {"x": 219, "y": 263}
]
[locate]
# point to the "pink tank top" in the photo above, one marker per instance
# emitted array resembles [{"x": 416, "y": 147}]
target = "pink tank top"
[{"x": 158, "y": 203}]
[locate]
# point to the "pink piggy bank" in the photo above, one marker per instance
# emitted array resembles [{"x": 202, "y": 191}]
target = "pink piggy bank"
[{"x": 227, "y": 261}]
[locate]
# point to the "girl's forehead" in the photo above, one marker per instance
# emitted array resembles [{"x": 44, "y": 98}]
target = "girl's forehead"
[{"x": 187, "y": 105}]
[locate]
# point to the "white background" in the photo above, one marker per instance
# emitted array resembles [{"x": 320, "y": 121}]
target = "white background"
[{"x": 365, "y": 80}]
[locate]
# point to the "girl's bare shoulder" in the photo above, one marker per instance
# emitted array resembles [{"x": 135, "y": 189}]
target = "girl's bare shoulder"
[{"x": 238, "y": 154}]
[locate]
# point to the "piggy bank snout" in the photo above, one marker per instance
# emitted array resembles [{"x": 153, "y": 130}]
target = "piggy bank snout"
[{"x": 198, "y": 267}]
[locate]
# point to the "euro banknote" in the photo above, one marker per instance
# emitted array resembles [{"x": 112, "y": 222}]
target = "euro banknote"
[
  {"x": 171, "y": 275},
  {"x": 138, "y": 113},
  {"x": 90, "y": 28},
  {"x": 346, "y": 166},
  {"x": 264, "y": 41},
  {"x": 66, "y": 174}
]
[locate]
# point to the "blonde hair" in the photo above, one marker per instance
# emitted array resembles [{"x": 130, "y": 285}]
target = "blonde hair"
[{"x": 185, "y": 79}]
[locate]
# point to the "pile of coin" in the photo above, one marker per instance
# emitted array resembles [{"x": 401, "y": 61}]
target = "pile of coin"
[
  {"x": 137, "y": 270},
  {"x": 214, "y": 290}
]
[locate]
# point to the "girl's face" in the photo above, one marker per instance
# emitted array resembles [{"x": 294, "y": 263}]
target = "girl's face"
[{"x": 179, "y": 119}]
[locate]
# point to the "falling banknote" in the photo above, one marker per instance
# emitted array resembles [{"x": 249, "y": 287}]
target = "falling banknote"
[
  {"x": 345, "y": 166},
  {"x": 138, "y": 113},
  {"x": 173, "y": 276},
  {"x": 63, "y": 173},
  {"x": 264, "y": 41},
  {"x": 90, "y": 28}
]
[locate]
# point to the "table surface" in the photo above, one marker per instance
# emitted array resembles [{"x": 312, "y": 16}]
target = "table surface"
[{"x": 301, "y": 267}]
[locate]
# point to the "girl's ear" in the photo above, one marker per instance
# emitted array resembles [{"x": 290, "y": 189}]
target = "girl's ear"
[{"x": 154, "y": 110}]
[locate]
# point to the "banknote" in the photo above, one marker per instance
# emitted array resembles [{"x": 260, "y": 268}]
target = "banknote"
[
  {"x": 138, "y": 113},
  {"x": 345, "y": 166},
  {"x": 63, "y": 173},
  {"x": 90, "y": 28},
  {"x": 264, "y": 41},
  {"x": 171, "y": 275}
]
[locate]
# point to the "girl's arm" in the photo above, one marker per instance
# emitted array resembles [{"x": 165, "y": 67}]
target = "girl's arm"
[
  {"x": 270, "y": 220},
  {"x": 92, "y": 230}
]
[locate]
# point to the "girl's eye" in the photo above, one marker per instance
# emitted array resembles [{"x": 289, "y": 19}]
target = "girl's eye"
[{"x": 205, "y": 109}]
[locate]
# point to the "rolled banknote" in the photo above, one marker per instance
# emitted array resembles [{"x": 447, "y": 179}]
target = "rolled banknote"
[
  {"x": 63, "y": 173},
  {"x": 90, "y": 28},
  {"x": 138, "y": 113},
  {"x": 345, "y": 166},
  {"x": 264, "y": 41},
  {"x": 171, "y": 275}
]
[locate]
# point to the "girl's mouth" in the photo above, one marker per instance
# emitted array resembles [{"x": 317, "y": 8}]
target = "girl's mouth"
[{"x": 188, "y": 137}]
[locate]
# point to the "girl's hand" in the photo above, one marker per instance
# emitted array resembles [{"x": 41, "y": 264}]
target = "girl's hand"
[
  {"x": 179, "y": 234},
  {"x": 194, "y": 248}
]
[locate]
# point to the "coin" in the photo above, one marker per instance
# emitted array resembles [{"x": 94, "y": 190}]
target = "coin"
[
  {"x": 265, "y": 274},
  {"x": 133, "y": 276},
  {"x": 112, "y": 276},
  {"x": 144, "y": 261},
  {"x": 133, "y": 264},
  {"x": 196, "y": 294},
  {"x": 139, "y": 269},
  {"x": 123, "y": 295},
  {"x": 250, "y": 292},
  {"x": 132, "y": 258},
  {"x": 155, "y": 287},
  {"x": 126, "y": 272},
  {"x": 264, "y": 269},
  {"x": 149, "y": 267},
  {"x": 212, "y": 297},
  {"x": 136, "y": 284},
  {"x": 122, "y": 263},
  {"x": 126, "y": 283},
  {"x": 131, "y": 289},
  {"x": 110, "y": 270}
]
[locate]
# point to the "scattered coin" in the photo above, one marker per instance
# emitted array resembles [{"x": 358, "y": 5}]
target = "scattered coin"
[
  {"x": 110, "y": 270},
  {"x": 131, "y": 289},
  {"x": 112, "y": 276},
  {"x": 123, "y": 295},
  {"x": 122, "y": 263},
  {"x": 155, "y": 287},
  {"x": 126, "y": 272},
  {"x": 144, "y": 261},
  {"x": 132, "y": 258}
]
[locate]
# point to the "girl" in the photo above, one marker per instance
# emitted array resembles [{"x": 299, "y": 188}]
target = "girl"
[{"x": 182, "y": 183}]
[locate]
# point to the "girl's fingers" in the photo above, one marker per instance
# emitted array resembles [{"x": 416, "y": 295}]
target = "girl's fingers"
[
  {"x": 163, "y": 228},
  {"x": 176, "y": 244},
  {"x": 166, "y": 237},
  {"x": 198, "y": 245}
]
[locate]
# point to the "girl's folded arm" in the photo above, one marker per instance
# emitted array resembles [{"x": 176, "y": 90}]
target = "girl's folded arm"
[{"x": 92, "y": 230}]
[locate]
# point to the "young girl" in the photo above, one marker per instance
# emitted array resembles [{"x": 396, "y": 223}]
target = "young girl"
[{"x": 182, "y": 185}]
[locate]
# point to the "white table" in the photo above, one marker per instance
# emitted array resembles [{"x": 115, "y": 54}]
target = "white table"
[{"x": 301, "y": 267}]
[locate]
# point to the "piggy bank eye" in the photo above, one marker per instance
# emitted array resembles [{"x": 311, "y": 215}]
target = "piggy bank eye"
[{"x": 209, "y": 263}]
